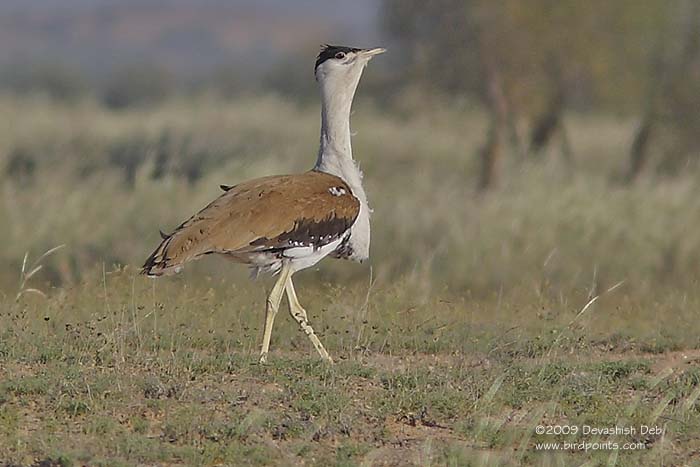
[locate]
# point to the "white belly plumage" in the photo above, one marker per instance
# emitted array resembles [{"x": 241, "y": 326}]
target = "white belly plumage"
[
  {"x": 300, "y": 257},
  {"x": 306, "y": 256}
]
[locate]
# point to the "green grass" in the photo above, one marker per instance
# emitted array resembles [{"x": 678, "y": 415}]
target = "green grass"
[
  {"x": 168, "y": 375},
  {"x": 472, "y": 324}
]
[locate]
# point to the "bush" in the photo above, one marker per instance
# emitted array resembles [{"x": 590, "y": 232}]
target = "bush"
[{"x": 137, "y": 85}]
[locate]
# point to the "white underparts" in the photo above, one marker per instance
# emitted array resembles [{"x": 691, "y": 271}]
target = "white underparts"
[{"x": 300, "y": 257}]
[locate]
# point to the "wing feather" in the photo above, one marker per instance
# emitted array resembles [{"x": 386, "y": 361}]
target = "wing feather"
[{"x": 263, "y": 214}]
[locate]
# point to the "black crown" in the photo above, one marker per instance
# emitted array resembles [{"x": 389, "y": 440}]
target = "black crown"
[{"x": 329, "y": 51}]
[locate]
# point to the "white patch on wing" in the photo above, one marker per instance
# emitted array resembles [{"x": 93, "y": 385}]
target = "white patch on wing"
[{"x": 337, "y": 190}]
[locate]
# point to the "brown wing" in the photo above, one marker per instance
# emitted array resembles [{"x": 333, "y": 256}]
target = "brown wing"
[{"x": 263, "y": 214}]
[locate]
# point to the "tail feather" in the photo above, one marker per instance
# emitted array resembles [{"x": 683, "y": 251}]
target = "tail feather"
[
  {"x": 162, "y": 261},
  {"x": 156, "y": 264}
]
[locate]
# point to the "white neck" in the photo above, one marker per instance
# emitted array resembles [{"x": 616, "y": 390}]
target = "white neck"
[{"x": 335, "y": 151}]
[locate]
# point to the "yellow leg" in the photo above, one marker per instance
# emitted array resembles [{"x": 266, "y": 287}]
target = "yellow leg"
[
  {"x": 299, "y": 315},
  {"x": 273, "y": 304}
]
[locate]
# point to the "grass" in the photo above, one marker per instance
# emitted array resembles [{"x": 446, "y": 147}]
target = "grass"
[{"x": 559, "y": 298}]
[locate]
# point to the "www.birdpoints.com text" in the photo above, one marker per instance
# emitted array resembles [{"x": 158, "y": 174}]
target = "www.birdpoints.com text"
[{"x": 596, "y": 444}]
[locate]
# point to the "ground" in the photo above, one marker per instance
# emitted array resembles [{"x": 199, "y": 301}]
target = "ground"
[
  {"x": 563, "y": 298},
  {"x": 139, "y": 381}
]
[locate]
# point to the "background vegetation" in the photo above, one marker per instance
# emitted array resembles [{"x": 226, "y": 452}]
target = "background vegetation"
[{"x": 532, "y": 169}]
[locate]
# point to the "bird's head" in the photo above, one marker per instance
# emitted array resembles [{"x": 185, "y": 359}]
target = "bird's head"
[{"x": 338, "y": 66}]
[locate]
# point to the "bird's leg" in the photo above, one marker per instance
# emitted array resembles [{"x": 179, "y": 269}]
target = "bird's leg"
[
  {"x": 299, "y": 315},
  {"x": 273, "y": 304}
]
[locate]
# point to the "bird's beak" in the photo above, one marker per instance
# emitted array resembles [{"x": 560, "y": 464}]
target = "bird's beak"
[{"x": 369, "y": 53}]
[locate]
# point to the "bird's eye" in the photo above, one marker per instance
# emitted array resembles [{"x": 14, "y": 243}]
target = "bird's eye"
[{"x": 340, "y": 55}]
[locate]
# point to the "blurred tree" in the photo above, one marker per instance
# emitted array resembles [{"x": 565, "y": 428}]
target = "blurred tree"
[
  {"x": 598, "y": 50},
  {"x": 530, "y": 60},
  {"x": 670, "y": 111}
]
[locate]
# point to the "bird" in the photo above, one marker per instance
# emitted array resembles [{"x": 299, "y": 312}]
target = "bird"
[{"x": 282, "y": 224}]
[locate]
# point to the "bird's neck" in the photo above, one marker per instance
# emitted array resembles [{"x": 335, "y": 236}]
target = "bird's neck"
[
  {"x": 335, "y": 151},
  {"x": 336, "y": 104}
]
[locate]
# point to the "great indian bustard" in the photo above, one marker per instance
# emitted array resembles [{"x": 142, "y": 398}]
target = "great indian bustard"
[{"x": 285, "y": 223}]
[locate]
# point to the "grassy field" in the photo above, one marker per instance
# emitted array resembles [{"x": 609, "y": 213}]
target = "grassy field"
[{"x": 560, "y": 298}]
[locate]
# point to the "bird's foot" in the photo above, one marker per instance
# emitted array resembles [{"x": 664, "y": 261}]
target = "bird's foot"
[{"x": 263, "y": 358}]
